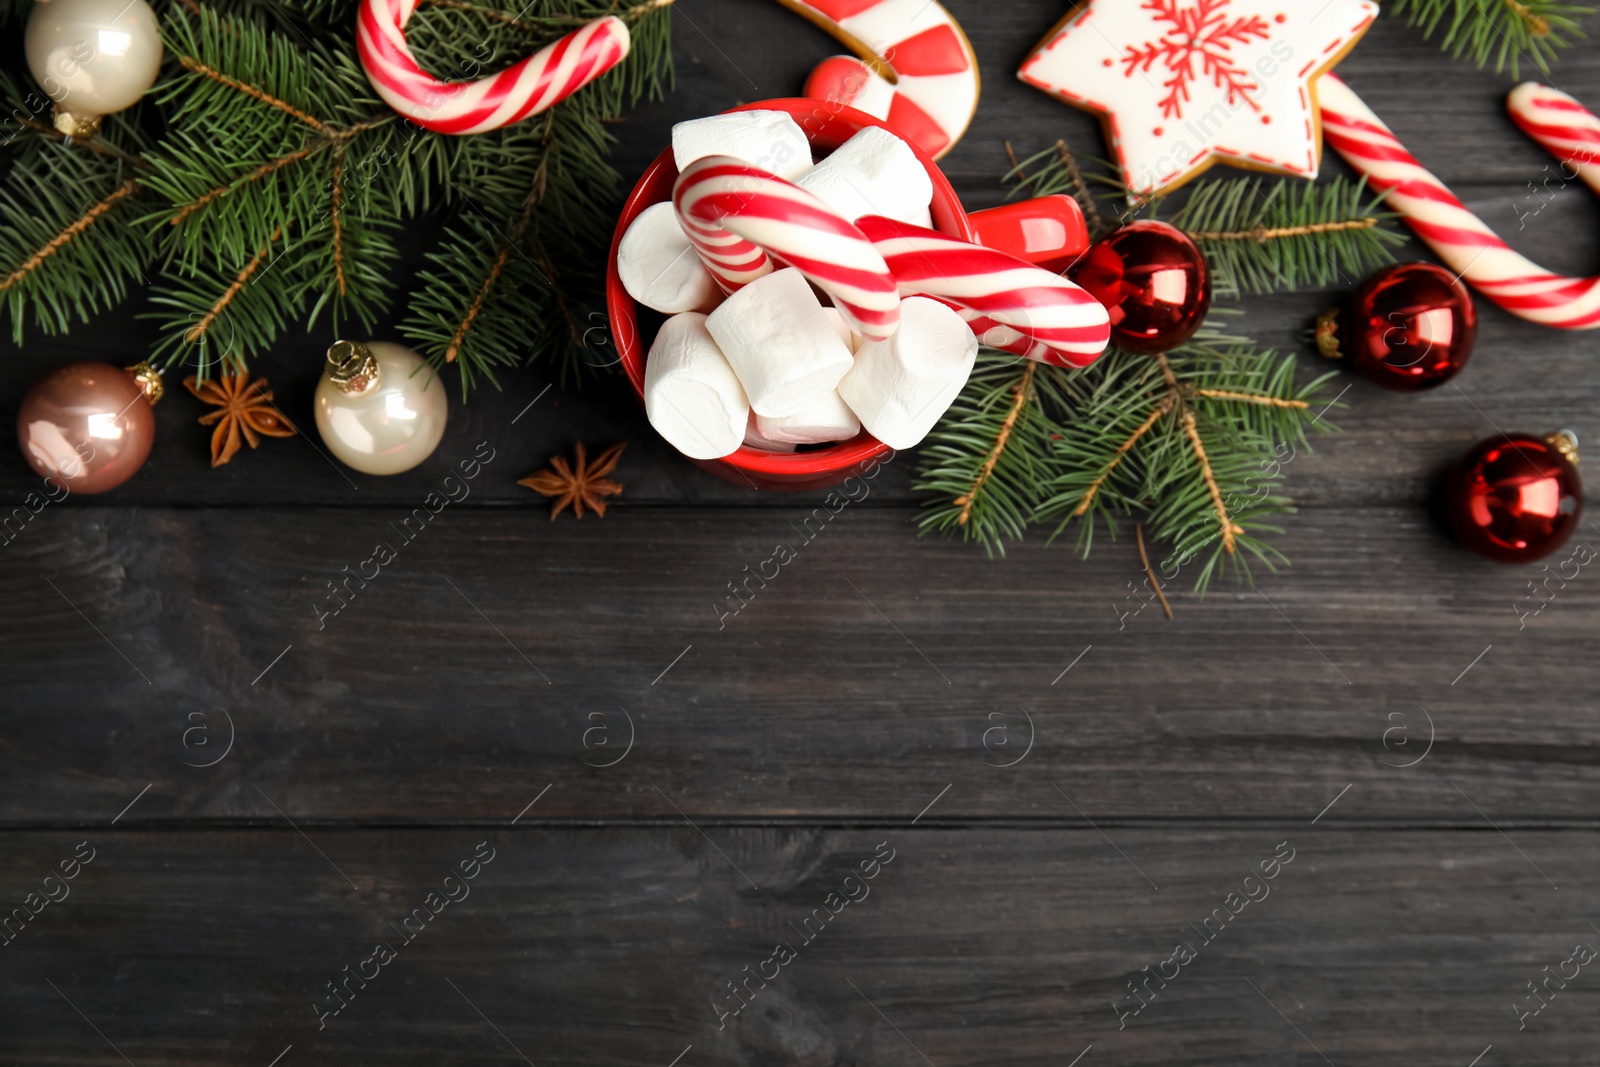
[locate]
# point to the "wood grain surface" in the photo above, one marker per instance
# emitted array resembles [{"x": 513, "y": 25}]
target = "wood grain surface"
[{"x": 1070, "y": 785}]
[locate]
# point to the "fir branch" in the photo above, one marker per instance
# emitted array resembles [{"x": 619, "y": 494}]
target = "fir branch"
[
  {"x": 69, "y": 247},
  {"x": 1156, "y": 583},
  {"x": 1288, "y": 235},
  {"x": 1295, "y": 235},
  {"x": 336, "y": 220},
  {"x": 192, "y": 64},
  {"x": 274, "y": 139},
  {"x": 1194, "y": 438},
  {"x": 265, "y": 170},
  {"x": 1157, "y": 413},
  {"x": 482, "y": 294},
  {"x": 66, "y": 236},
  {"x": 1502, "y": 30},
  {"x": 220, "y": 312},
  {"x": 198, "y": 333},
  {"x": 453, "y": 349},
  {"x": 1225, "y": 522},
  {"x": 985, "y": 463},
  {"x": 492, "y": 278},
  {"x": 1022, "y": 392},
  {"x": 1252, "y": 398},
  {"x": 629, "y": 15}
]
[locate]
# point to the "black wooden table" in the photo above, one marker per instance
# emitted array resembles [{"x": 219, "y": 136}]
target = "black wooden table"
[{"x": 580, "y": 812}]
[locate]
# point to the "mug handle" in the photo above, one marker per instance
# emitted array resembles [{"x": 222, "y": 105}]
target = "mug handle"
[{"x": 1049, "y": 231}]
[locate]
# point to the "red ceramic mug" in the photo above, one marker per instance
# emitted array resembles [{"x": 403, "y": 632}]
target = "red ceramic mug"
[{"x": 1049, "y": 231}]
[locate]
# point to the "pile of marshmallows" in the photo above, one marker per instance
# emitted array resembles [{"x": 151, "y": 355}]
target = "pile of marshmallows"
[{"x": 751, "y": 356}]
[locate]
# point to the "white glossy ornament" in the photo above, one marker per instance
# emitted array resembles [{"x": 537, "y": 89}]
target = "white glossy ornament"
[
  {"x": 92, "y": 57},
  {"x": 380, "y": 408}
]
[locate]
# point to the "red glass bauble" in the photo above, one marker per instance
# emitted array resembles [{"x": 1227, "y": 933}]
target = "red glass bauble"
[
  {"x": 89, "y": 425},
  {"x": 1153, "y": 281},
  {"x": 1409, "y": 327},
  {"x": 1516, "y": 498}
]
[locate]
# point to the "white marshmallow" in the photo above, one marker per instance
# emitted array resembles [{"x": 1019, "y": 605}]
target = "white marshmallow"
[
  {"x": 692, "y": 396},
  {"x": 901, "y": 387},
  {"x": 873, "y": 173},
  {"x": 823, "y": 420},
  {"x": 772, "y": 140},
  {"x": 753, "y": 438},
  {"x": 842, "y": 328},
  {"x": 660, "y": 268},
  {"x": 780, "y": 342}
]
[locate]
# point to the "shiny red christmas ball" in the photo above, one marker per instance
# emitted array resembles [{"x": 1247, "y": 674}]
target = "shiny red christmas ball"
[
  {"x": 1153, "y": 281},
  {"x": 1409, "y": 327},
  {"x": 1516, "y": 498}
]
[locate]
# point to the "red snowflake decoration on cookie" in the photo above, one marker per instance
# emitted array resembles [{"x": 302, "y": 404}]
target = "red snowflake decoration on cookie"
[{"x": 1201, "y": 33}]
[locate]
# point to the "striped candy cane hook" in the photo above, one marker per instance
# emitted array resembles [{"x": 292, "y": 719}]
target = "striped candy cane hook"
[
  {"x": 739, "y": 217},
  {"x": 535, "y": 84},
  {"x": 1456, "y": 235}
]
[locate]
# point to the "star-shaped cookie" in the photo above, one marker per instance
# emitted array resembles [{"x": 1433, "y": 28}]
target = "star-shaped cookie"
[{"x": 1183, "y": 83}]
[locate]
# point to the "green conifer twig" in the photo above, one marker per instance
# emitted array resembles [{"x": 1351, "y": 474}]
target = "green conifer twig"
[
  {"x": 1501, "y": 30},
  {"x": 1195, "y": 439}
]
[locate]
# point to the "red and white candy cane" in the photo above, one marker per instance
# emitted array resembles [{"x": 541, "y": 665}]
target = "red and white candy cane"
[
  {"x": 740, "y": 217},
  {"x": 535, "y": 84},
  {"x": 932, "y": 89},
  {"x": 1458, "y": 236},
  {"x": 1027, "y": 309}
]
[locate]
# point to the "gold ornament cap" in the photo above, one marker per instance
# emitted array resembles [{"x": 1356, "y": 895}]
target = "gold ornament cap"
[
  {"x": 352, "y": 367},
  {"x": 77, "y": 127},
  {"x": 1328, "y": 334},
  {"x": 148, "y": 379},
  {"x": 1565, "y": 441}
]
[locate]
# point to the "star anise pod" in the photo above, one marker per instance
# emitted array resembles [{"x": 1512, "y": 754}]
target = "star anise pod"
[
  {"x": 581, "y": 484},
  {"x": 244, "y": 409}
]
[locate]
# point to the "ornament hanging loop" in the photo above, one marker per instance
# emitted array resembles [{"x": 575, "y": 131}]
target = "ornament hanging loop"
[
  {"x": 1565, "y": 441},
  {"x": 148, "y": 379},
  {"x": 352, "y": 367}
]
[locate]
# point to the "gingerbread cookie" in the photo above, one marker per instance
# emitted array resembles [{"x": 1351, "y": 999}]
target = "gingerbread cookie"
[
  {"x": 917, "y": 71},
  {"x": 1184, "y": 83}
]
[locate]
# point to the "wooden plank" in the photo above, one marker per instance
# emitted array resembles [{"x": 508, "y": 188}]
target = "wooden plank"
[
  {"x": 496, "y": 654},
  {"x": 1429, "y": 756},
  {"x": 590, "y": 946}
]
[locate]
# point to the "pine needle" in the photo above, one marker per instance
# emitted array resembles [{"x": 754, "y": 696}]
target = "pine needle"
[
  {"x": 1292, "y": 234},
  {"x": 1499, "y": 30}
]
